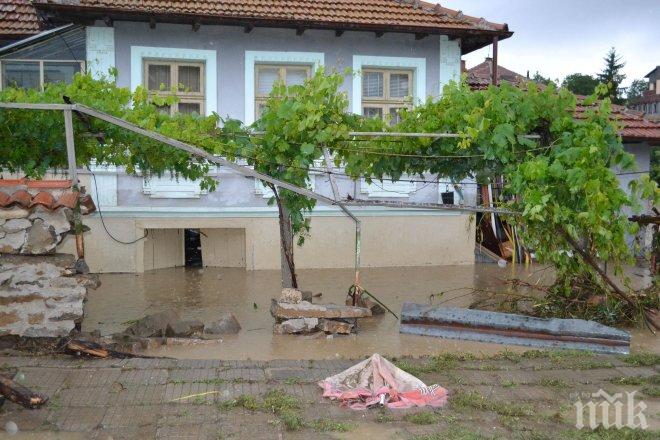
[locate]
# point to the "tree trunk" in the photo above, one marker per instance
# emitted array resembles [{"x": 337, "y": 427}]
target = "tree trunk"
[{"x": 286, "y": 244}]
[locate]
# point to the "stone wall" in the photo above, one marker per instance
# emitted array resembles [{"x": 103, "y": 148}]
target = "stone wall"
[
  {"x": 41, "y": 296},
  {"x": 33, "y": 232}
]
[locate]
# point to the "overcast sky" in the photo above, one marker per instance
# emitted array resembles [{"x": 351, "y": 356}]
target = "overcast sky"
[{"x": 560, "y": 37}]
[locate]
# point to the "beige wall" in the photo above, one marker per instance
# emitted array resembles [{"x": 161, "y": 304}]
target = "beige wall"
[
  {"x": 223, "y": 247},
  {"x": 420, "y": 240}
]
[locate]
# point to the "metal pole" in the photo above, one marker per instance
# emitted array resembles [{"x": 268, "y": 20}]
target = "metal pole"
[
  {"x": 358, "y": 223},
  {"x": 494, "y": 79},
  {"x": 81, "y": 266}
]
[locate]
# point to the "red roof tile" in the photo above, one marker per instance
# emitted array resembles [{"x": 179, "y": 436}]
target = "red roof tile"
[
  {"x": 50, "y": 194},
  {"x": 387, "y": 15},
  {"x": 634, "y": 126},
  {"x": 18, "y": 18}
]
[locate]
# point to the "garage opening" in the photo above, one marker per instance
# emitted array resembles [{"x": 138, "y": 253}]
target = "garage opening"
[{"x": 193, "y": 248}]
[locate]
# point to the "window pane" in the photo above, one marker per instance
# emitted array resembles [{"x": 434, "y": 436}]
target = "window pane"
[
  {"x": 372, "y": 84},
  {"x": 399, "y": 85},
  {"x": 295, "y": 76},
  {"x": 20, "y": 74},
  {"x": 373, "y": 112},
  {"x": 190, "y": 77},
  {"x": 159, "y": 75},
  {"x": 266, "y": 79},
  {"x": 260, "y": 109},
  {"x": 60, "y": 72},
  {"x": 189, "y": 107},
  {"x": 395, "y": 117}
]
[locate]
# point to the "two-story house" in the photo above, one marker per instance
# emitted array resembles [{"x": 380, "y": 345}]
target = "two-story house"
[
  {"x": 649, "y": 102},
  {"x": 228, "y": 54}
]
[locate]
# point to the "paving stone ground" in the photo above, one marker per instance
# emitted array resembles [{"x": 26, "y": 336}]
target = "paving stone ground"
[{"x": 499, "y": 397}]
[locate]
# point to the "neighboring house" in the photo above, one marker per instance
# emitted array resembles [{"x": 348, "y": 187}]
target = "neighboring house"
[
  {"x": 649, "y": 103},
  {"x": 18, "y": 20},
  {"x": 228, "y": 54},
  {"x": 480, "y": 76}
]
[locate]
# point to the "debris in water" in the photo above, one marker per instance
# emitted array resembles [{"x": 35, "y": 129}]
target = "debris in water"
[
  {"x": 506, "y": 328},
  {"x": 305, "y": 309},
  {"x": 377, "y": 382}
]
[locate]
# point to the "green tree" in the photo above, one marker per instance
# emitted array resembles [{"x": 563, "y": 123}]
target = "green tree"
[
  {"x": 636, "y": 90},
  {"x": 580, "y": 84},
  {"x": 612, "y": 76},
  {"x": 540, "y": 79}
]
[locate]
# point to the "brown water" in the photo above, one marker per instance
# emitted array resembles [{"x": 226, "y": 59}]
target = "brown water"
[{"x": 206, "y": 293}]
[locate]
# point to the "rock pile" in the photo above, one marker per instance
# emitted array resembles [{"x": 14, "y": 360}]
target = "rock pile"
[
  {"x": 294, "y": 315},
  {"x": 168, "y": 324},
  {"x": 41, "y": 296}
]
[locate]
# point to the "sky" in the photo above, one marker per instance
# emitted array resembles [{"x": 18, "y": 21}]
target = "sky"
[{"x": 560, "y": 37}]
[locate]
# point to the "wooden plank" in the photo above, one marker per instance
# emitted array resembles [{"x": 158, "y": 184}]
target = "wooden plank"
[{"x": 17, "y": 393}]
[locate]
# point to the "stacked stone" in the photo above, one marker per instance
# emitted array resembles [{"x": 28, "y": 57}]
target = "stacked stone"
[
  {"x": 40, "y": 299},
  {"x": 33, "y": 232},
  {"x": 297, "y": 315}
]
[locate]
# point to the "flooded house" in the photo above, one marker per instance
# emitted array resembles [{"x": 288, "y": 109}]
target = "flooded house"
[{"x": 227, "y": 55}]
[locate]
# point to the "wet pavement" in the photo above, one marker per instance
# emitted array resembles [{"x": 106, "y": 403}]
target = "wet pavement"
[
  {"x": 206, "y": 293},
  {"x": 502, "y": 396}
]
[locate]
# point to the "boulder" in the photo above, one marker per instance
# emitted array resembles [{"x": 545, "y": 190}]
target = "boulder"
[
  {"x": 41, "y": 239},
  {"x": 305, "y": 309},
  {"x": 12, "y": 243},
  {"x": 16, "y": 224},
  {"x": 227, "y": 324},
  {"x": 295, "y": 326},
  {"x": 291, "y": 296},
  {"x": 57, "y": 219},
  {"x": 152, "y": 325},
  {"x": 184, "y": 329},
  {"x": 332, "y": 326}
]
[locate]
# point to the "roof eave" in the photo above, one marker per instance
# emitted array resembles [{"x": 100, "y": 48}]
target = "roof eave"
[{"x": 473, "y": 39}]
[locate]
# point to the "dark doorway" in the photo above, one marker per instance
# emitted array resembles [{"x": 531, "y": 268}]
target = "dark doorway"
[{"x": 193, "y": 248}]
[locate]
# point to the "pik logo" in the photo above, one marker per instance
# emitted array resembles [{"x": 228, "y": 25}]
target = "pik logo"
[{"x": 611, "y": 411}]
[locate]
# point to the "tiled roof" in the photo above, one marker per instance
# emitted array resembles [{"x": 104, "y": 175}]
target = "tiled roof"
[
  {"x": 18, "y": 18},
  {"x": 479, "y": 76},
  {"x": 49, "y": 194},
  {"x": 634, "y": 126},
  {"x": 394, "y": 15}
]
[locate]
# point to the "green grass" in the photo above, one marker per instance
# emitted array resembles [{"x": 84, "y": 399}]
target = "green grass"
[
  {"x": 243, "y": 401},
  {"x": 473, "y": 400},
  {"x": 291, "y": 420},
  {"x": 422, "y": 418},
  {"x": 610, "y": 434},
  {"x": 642, "y": 359},
  {"x": 652, "y": 391},
  {"x": 327, "y": 425},
  {"x": 293, "y": 380},
  {"x": 276, "y": 401},
  {"x": 553, "y": 383},
  {"x": 454, "y": 433},
  {"x": 384, "y": 416}
]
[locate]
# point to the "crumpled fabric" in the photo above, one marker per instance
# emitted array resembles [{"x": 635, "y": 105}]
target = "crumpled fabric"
[{"x": 378, "y": 382}]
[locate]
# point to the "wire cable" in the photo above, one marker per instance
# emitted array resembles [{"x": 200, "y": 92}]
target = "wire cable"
[{"x": 98, "y": 207}]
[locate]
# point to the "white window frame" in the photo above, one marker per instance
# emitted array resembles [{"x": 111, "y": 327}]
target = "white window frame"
[
  {"x": 168, "y": 187},
  {"x": 209, "y": 57},
  {"x": 266, "y": 193},
  {"x": 385, "y": 102},
  {"x": 360, "y": 62},
  {"x": 252, "y": 58},
  {"x": 387, "y": 188}
]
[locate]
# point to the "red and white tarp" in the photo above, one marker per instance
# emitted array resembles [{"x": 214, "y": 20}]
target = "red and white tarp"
[{"x": 376, "y": 381}]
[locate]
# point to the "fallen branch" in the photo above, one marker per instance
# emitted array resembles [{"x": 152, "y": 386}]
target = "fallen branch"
[
  {"x": 78, "y": 348},
  {"x": 17, "y": 393}
]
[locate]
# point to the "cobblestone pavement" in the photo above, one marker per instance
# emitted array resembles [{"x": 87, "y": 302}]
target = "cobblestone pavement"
[{"x": 503, "y": 396}]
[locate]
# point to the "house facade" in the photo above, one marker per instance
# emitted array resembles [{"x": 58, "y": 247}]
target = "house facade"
[
  {"x": 228, "y": 54},
  {"x": 649, "y": 102}
]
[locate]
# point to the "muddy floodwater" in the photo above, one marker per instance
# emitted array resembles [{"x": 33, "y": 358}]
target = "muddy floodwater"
[{"x": 206, "y": 293}]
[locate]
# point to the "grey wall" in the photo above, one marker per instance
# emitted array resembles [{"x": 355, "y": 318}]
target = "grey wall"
[{"x": 231, "y": 42}]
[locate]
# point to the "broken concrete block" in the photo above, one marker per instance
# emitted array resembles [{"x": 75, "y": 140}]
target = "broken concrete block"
[
  {"x": 305, "y": 309},
  {"x": 184, "y": 329},
  {"x": 290, "y": 296},
  {"x": 152, "y": 325},
  {"x": 368, "y": 303},
  {"x": 295, "y": 326},
  {"x": 332, "y": 326},
  {"x": 227, "y": 324}
]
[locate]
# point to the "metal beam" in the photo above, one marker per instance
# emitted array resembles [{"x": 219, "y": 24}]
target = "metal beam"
[
  {"x": 35, "y": 106},
  {"x": 201, "y": 153},
  {"x": 431, "y": 206}
]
